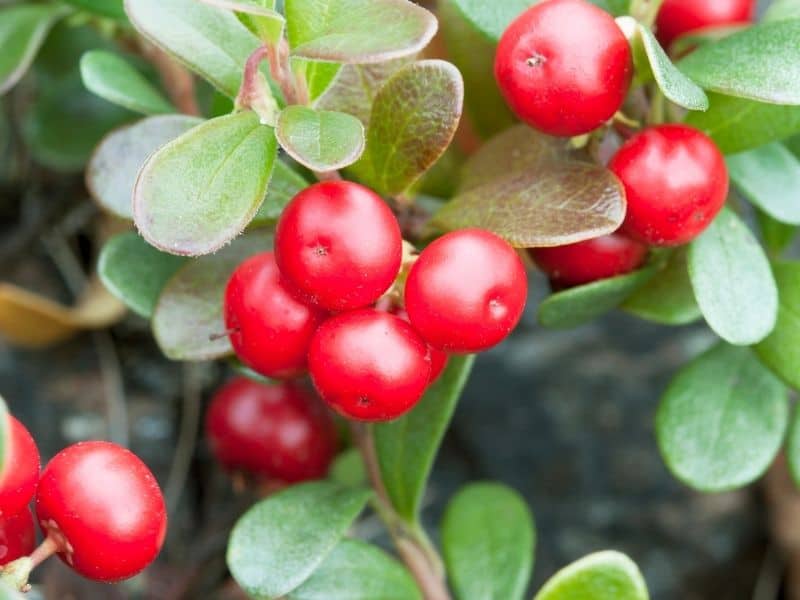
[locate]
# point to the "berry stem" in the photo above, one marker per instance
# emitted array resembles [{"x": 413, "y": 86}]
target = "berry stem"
[
  {"x": 16, "y": 573},
  {"x": 412, "y": 543},
  {"x": 45, "y": 550}
]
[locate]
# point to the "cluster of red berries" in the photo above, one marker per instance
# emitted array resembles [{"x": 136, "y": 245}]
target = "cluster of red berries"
[
  {"x": 97, "y": 504},
  {"x": 320, "y": 302},
  {"x": 564, "y": 82}
]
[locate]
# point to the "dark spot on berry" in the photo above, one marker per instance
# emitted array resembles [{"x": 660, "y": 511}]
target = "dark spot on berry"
[
  {"x": 535, "y": 60},
  {"x": 363, "y": 401}
]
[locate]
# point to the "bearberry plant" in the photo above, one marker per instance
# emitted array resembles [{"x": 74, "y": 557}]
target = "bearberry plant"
[{"x": 349, "y": 214}]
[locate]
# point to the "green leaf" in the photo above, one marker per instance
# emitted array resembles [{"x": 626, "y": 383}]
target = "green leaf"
[
  {"x": 675, "y": 86},
  {"x": 782, "y": 9},
  {"x": 579, "y": 305},
  {"x": 320, "y": 140},
  {"x": 114, "y": 79},
  {"x": 23, "y": 28},
  {"x": 199, "y": 191},
  {"x": 407, "y": 446},
  {"x": 357, "y": 31},
  {"x": 607, "y": 575},
  {"x": 491, "y": 18},
  {"x": 732, "y": 281},
  {"x": 348, "y": 469},
  {"x": 769, "y": 177},
  {"x": 283, "y": 186},
  {"x": 722, "y": 420},
  {"x": 760, "y": 63},
  {"x": 135, "y": 272},
  {"x": 780, "y": 351},
  {"x": 413, "y": 120},
  {"x": 319, "y": 76},
  {"x": 115, "y": 164},
  {"x": 776, "y": 235},
  {"x": 282, "y": 540},
  {"x": 208, "y": 40},
  {"x": 187, "y": 321},
  {"x": 557, "y": 204},
  {"x": 488, "y": 540},
  {"x": 259, "y": 16},
  {"x": 793, "y": 447},
  {"x": 105, "y": 8},
  {"x": 357, "y": 571},
  {"x": 736, "y": 124},
  {"x": 667, "y": 298}
]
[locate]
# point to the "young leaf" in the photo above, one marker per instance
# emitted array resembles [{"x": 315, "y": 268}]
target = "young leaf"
[
  {"x": 584, "y": 303},
  {"x": 199, "y": 191},
  {"x": 722, "y": 420},
  {"x": 105, "y": 8},
  {"x": 318, "y": 75},
  {"x": 676, "y": 86},
  {"x": 668, "y": 297},
  {"x": 780, "y": 351},
  {"x": 282, "y": 540},
  {"x": 760, "y": 63},
  {"x": 736, "y": 124},
  {"x": 283, "y": 186},
  {"x": 114, "y": 79},
  {"x": 407, "y": 446},
  {"x": 769, "y": 177},
  {"x": 413, "y": 120},
  {"x": 357, "y": 31},
  {"x": 257, "y": 15},
  {"x": 208, "y": 40},
  {"x": 320, "y": 140},
  {"x": 560, "y": 203},
  {"x": 357, "y": 571},
  {"x": 187, "y": 321},
  {"x": 488, "y": 540},
  {"x": 115, "y": 164},
  {"x": 135, "y": 272},
  {"x": 23, "y": 28},
  {"x": 732, "y": 281},
  {"x": 793, "y": 447},
  {"x": 607, "y": 575}
]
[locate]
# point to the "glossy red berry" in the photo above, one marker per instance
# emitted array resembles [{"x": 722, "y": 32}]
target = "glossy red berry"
[
  {"x": 271, "y": 431},
  {"x": 339, "y": 244},
  {"x": 369, "y": 365},
  {"x": 584, "y": 262},
  {"x": 466, "y": 291},
  {"x": 20, "y": 470},
  {"x": 269, "y": 327},
  {"x": 677, "y": 17},
  {"x": 438, "y": 357},
  {"x": 675, "y": 181},
  {"x": 17, "y": 536},
  {"x": 104, "y": 508},
  {"x": 564, "y": 67}
]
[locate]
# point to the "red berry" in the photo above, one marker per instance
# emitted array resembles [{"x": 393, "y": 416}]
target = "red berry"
[
  {"x": 438, "y": 357},
  {"x": 467, "y": 291},
  {"x": 17, "y": 536},
  {"x": 20, "y": 470},
  {"x": 676, "y": 17},
  {"x": 272, "y": 431},
  {"x": 104, "y": 508},
  {"x": 339, "y": 244},
  {"x": 564, "y": 67},
  {"x": 269, "y": 328},
  {"x": 369, "y": 365},
  {"x": 675, "y": 182},
  {"x": 584, "y": 262}
]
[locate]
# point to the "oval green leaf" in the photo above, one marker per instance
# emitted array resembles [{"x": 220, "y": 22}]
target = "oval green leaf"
[
  {"x": 407, "y": 446},
  {"x": 722, "y": 420},
  {"x": 760, "y": 63},
  {"x": 320, "y": 140},
  {"x": 579, "y": 305},
  {"x": 357, "y": 31},
  {"x": 769, "y": 177},
  {"x": 782, "y": 9},
  {"x": 667, "y": 298},
  {"x": 488, "y": 541},
  {"x": 259, "y": 16},
  {"x": 607, "y": 575},
  {"x": 358, "y": 571},
  {"x": 114, "y": 79},
  {"x": 777, "y": 236},
  {"x": 187, "y": 321},
  {"x": 135, "y": 272},
  {"x": 780, "y": 351},
  {"x": 491, "y": 18},
  {"x": 413, "y": 120},
  {"x": 23, "y": 28},
  {"x": 105, "y": 8},
  {"x": 283, "y": 186},
  {"x": 199, "y": 191},
  {"x": 561, "y": 203},
  {"x": 282, "y": 540},
  {"x": 732, "y": 281},
  {"x": 113, "y": 168}
]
